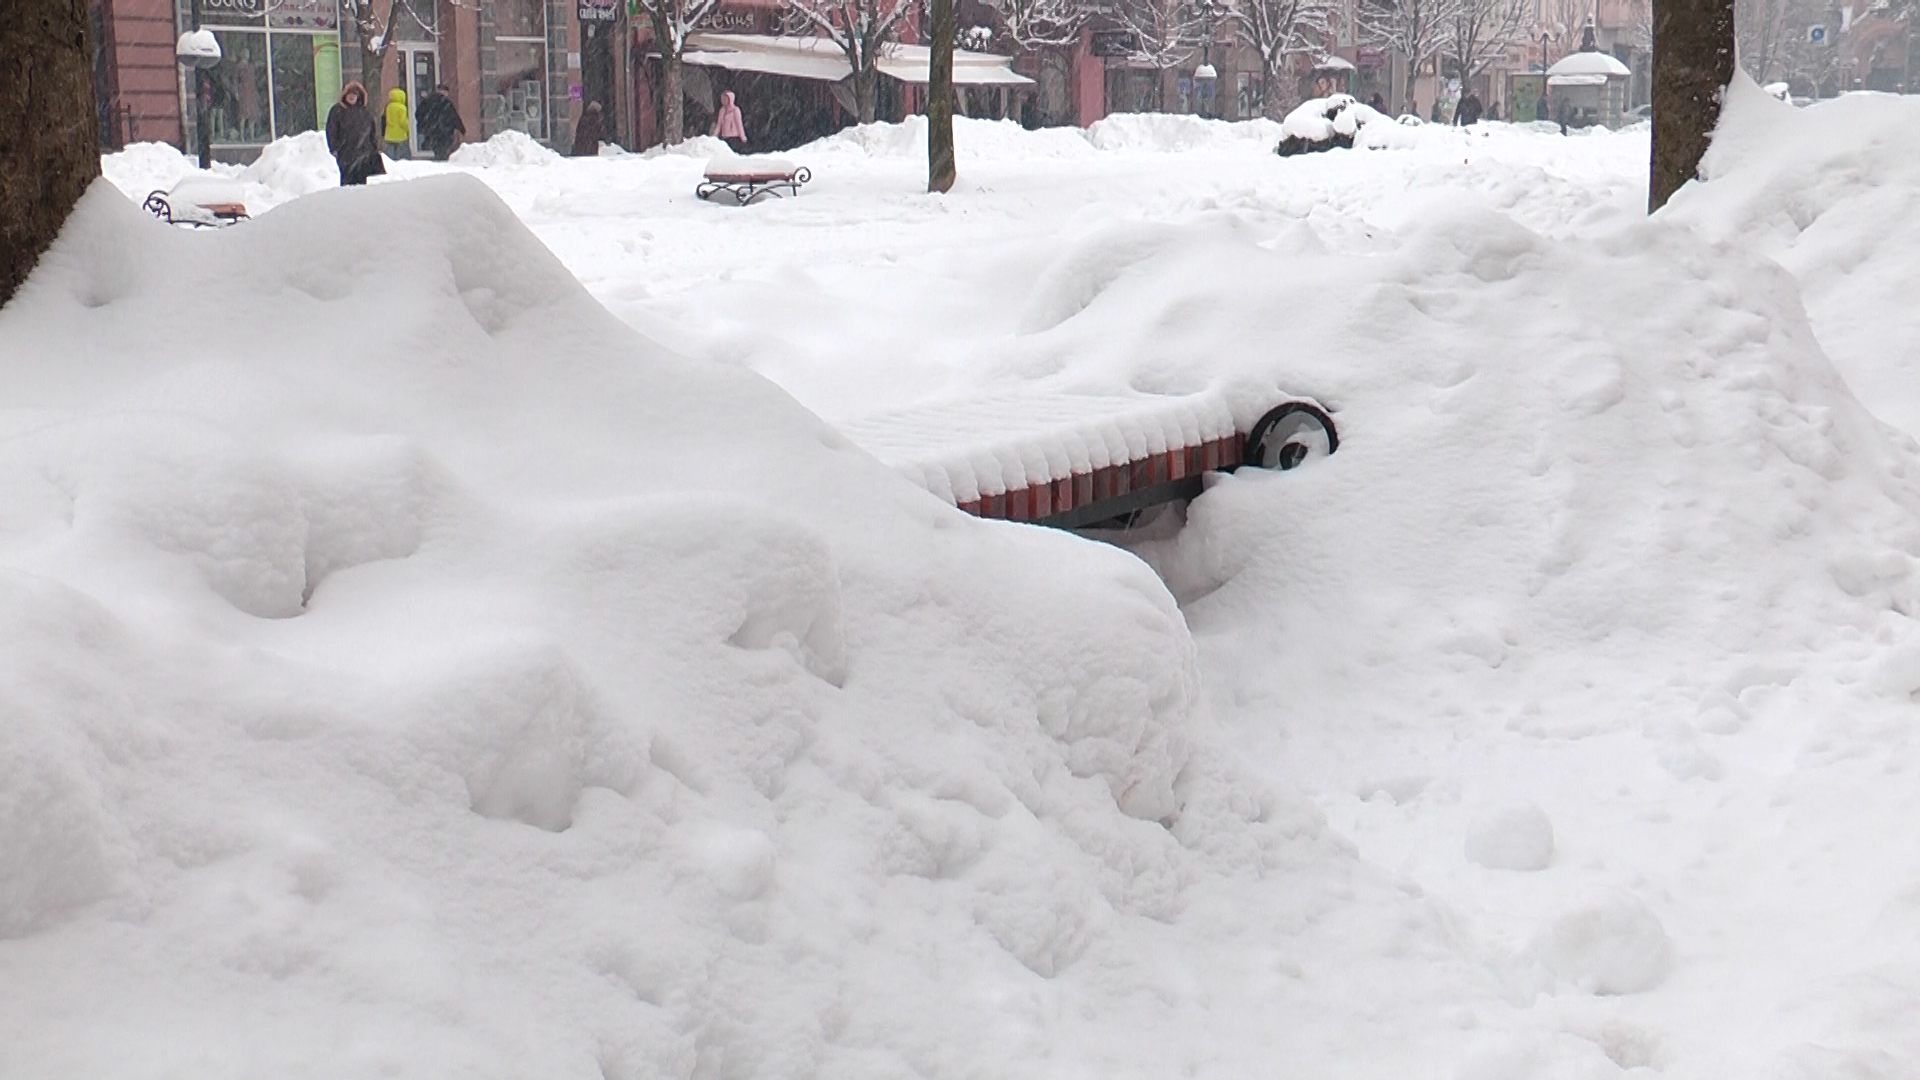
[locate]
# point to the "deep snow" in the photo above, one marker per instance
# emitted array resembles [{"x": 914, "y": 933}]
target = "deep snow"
[{"x": 418, "y": 672}]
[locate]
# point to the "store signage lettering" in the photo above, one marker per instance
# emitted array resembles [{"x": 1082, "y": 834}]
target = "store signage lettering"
[
  {"x": 243, "y": 7},
  {"x": 724, "y": 20},
  {"x": 1114, "y": 43},
  {"x": 593, "y": 11}
]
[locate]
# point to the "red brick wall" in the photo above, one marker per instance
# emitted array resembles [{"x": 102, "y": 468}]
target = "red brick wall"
[{"x": 148, "y": 99}]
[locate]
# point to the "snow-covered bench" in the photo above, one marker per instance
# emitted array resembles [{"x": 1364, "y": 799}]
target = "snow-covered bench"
[
  {"x": 201, "y": 201},
  {"x": 1076, "y": 460},
  {"x": 749, "y": 179}
]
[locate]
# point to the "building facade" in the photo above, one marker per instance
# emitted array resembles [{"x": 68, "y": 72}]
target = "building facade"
[{"x": 521, "y": 65}]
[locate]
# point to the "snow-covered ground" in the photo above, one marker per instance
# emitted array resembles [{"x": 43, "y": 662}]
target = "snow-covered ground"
[{"x": 415, "y": 671}]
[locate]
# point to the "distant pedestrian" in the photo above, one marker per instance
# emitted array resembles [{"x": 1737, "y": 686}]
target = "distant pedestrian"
[
  {"x": 1493, "y": 111},
  {"x": 727, "y": 124},
  {"x": 1468, "y": 113},
  {"x": 1377, "y": 103},
  {"x": 398, "y": 134},
  {"x": 1542, "y": 111},
  {"x": 351, "y": 139},
  {"x": 588, "y": 132},
  {"x": 441, "y": 128}
]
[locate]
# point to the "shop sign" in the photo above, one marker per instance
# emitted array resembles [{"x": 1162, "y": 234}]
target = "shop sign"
[
  {"x": 728, "y": 21},
  {"x": 1115, "y": 43},
  {"x": 231, "y": 11},
  {"x": 599, "y": 10},
  {"x": 1371, "y": 58}
]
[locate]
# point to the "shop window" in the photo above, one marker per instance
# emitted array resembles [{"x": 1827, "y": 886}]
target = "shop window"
[
  {"x": 519, "y": 18},
  {"x": 520, "y": 82},
  {"x": 237, "y": 98},
  {"x": 303, "y": 15},
  {"x": 294, "y": 107},
  {"x": 232, "y": 13},
  {"x": 416, "y": 21},
  {"x": 279, "y": 70}
]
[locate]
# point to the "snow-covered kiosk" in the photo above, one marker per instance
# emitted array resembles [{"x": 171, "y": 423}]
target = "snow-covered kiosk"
[{"x": 1588, "y": 87}]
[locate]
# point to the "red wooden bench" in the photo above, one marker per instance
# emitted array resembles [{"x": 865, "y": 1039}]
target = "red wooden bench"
[
  {"x": 1074, "y": 461},
  {"x": 203, "y": 202},
  {"x": 750, "y": 179}
]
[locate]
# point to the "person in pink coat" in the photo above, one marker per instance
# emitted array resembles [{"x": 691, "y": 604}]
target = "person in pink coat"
[{"x": 727, "y": 125}]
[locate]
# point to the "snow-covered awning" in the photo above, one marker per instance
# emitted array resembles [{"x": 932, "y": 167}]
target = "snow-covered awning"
[
  {"x": 1334, "y": 63},
  {"x": 963, "y": 74},
  {"x": 1576, "y": 80},
  {"x": 821, "y": 68},
  {"x": 819, "y": 59},
  {"x": 1588, "y": 62},
  {"x": 795, "y": 58}
]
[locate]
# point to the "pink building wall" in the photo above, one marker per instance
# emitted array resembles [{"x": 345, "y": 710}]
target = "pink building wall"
[{"x": 1089, "y": 82}]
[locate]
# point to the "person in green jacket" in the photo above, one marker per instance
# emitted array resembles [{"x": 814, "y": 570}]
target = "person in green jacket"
[{"x": 397, "y": 131}]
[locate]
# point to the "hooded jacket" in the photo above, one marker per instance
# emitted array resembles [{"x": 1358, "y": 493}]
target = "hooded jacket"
[
  {"x": 350, "y": 136},
  {"x": 726, "y": 123},
  {"x": 397, "y": 115}
]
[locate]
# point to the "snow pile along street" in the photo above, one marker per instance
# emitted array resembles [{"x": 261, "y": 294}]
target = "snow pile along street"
[{"x": 421, "y": 672}]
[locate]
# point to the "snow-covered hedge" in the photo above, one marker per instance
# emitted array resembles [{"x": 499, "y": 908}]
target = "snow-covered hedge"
[{"x": 1325, "y": 124}]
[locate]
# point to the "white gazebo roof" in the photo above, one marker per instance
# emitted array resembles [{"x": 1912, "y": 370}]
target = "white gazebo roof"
[{"x": 1589, "y": 63}]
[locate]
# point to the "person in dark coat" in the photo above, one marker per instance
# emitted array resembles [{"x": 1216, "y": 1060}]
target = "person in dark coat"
[
  {"x": 352, "y": 137},
  {"x": 587, "y": 133},
  {"x": 1376, "y": 103},
  {"x": 1469, "y": 111},
  {"x": 441, "y": 128}
]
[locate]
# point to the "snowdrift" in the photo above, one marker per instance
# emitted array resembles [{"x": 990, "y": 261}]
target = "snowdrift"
[
  {"x": 412, "y": 671},
  {"x": 1829, "y": 191},
  {"x": 1604, "y": 608}
]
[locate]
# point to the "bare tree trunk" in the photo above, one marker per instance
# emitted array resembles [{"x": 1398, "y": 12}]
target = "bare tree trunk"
[
  {"x": 49, "y": 148},
  {"x": 940, "y": 165},
  {"x": 673, "y": 107},
  {"x": 865, "y": 87},
  {"x": 373, "y": 60},
  {"x": 1692, "y": 65}
]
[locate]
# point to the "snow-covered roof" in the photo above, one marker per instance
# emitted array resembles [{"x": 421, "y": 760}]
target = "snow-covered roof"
[
  {"x": 1588, "y": 63},
  {"x": 1333, "y": 63},
  {"x": 1576, "y": 80},
  {"x": 819, "y": 59}
]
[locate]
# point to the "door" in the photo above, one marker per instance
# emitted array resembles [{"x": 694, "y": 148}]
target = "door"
[
  {"x": 423, "y": 74},
  {"x": 596, "y": 72}
]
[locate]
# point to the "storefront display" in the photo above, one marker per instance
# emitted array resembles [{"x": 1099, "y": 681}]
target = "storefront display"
[
  {"x": 279, "y": 70},
  {"x": 516, "y": 89}
]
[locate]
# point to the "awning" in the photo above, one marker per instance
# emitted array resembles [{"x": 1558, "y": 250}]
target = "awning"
[
  {"x": 792, "y": 65},
  {"x": 818, "y": 59},
  {"x": 1576, "y": 80},
  {"x": 963, "y": 74}
]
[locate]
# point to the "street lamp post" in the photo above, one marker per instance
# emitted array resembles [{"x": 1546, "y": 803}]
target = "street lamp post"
[
  {"x": 1204, "y": 75},
  {"x": 198, "y": 51}
]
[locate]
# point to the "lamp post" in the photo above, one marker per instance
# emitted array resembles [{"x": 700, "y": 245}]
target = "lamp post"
[
  {"x": 198, "y": 51},
  {"x": 1204, "y": 75}
]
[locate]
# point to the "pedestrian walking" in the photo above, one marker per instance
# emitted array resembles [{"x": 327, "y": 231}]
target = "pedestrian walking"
[
  {"x": 1377, "y": 103},
  {"x": 441, "y": 128},
  {"x": 588, "y": 132},
  {"x": 398, "y": 133},
  {"x": 1468, "y": 113},
  {"x": 351, "y": 139},
  {"x": 728, "y": 126}
]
